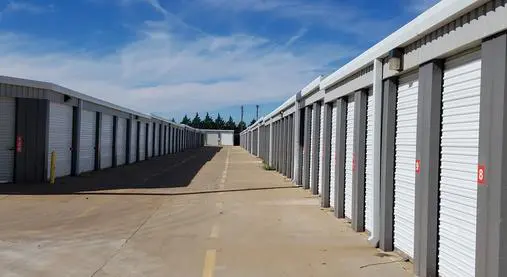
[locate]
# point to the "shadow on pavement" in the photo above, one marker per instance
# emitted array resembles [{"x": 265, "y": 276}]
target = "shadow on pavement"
[
  {"x": 170, "y": 171},
  {"x": 182, "y": 193}
]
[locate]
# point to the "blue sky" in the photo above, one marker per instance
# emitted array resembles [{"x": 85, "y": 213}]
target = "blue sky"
[{"x": 172, "y": 57}]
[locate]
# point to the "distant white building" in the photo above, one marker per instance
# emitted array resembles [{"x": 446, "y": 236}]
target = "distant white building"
[{"x": 219, "y": 137}]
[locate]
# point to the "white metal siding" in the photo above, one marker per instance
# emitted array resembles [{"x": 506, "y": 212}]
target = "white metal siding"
[
  {"x": 321, "y": 149},
  {"x": 133, "y": 142},
  {"x": 7, "y": 138},
  {"x": 60, "y": 138},
  {"x": 106, "y": 141},
  {"x": 142, "y": 142},
  {"x": 349, "y": 157},
  {"x": 312, "y": 148},
  {"x": 370, "y": 136},
  {"x": 404, "y": 173},
  {"x": 150, "y": 140},
  {"x": 87, "y": 143},
  {"x": 459, "y": 158},
  {"x": 332, "y": 176},
  {"x": 121, "y": 141}
]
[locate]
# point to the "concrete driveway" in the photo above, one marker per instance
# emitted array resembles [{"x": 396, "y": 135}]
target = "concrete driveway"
[{"x": 204, "y": 212}]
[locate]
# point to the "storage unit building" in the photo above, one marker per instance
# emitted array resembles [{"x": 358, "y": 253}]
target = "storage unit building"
[{"x": 416, "y": 142}]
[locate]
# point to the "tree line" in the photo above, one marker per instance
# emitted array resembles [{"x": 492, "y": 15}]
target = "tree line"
[{"x": 214, "y": 124}]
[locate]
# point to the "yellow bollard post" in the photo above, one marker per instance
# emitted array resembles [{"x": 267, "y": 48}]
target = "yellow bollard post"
[{"x": 52, "y": 172}]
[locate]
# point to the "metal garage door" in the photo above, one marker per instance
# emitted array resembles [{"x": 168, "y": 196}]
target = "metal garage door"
[
  {"x": 106, "y": 141},
  {"x": 7, "y": 133},
  {"x": 404, "y": 173},
  {"x": 312, "y": 147},
  {"x": 349, "y": 157},
  {"x": 121, "y": 141},
  {"x": 321, "y": 150},
  {"x": 227, "y": 139},
  {"x": 332, "y": 176},
  {"x": 166, "y": 140},
  {"x": 157, "y": 139},
  {"x": 150, "y": 140},
  {"x": 212, "y": 139},
  {"x": 142, "y": 142},
  {"x": 171, "y": 140},
  {"x": 87, "y": 144},
  {"x": 60, "y": 138},
  {"x": 460, "y": 150},
  {"x": 370, "y": 136},
  {"x": 133, "y": 142}
]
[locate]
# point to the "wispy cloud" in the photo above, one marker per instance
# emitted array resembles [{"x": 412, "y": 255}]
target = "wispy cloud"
[
  {"x": 318, "y": 13},
  {"x": 22, "y": 6},
  {"x": 162, "y": 71},
  {"x": 296, "y": 37},
  {"x": 419, "y": 6}
]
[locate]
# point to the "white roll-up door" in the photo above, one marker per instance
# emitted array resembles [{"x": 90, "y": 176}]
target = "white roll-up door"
[
  {"x": 332, "y": 177},
  {"x": 142, "y": 142},
  {"x": 349, "y": 157},
  {"x": 60, "y": 138},
  {"x": 370, "y": 137},
  {"x": 150, "y": 140},
  {"x": 404, "y": 173},
  {"x": 133, "y": 142},
  {"x": 121, "y": 141},
  {"x": 7, "y": 138},
  {"x": 458, "y": 167},
  {"x": 106, "y": 141},
  {"x": 157, "y": 139},
  {"x": 88, "y": 139},
  {"x": 166, "y": 141},
  {"x": 312, "y": 147},
  {"x": 321, "y": 148}
]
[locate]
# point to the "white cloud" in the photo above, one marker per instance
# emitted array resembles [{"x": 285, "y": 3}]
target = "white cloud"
[
  {"x": 163, "y": 72},
  {"x": 419, "y": 6},
  {"x": 23, "y": 6},
  {"x": 332, "y": 15}
]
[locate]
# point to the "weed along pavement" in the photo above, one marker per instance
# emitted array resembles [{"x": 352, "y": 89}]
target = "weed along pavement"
[{"x": 202, "y": 212}]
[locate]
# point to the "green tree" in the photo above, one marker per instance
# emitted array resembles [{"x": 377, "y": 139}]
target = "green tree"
[
  {"x": 219, "y": 123},
  {"x": 186, "y": 120},
  {"x": 173, "y": 120},
  {"x": 253, "y": 122},
  {"x": 230, "y": 125},
  {"x": 241, "y": 126},
  {"x": 196, "y": 122},
  {"x": 208, "y": 122}
]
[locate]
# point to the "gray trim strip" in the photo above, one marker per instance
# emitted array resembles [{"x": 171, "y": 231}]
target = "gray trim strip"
[
  {"x": 341, "y": 132},
  {"x": 359, "y": 152},
  {"x": 387, "y": 167},
  {"x": 491, "y": 198},
  {"x": 426, "y": 182}
]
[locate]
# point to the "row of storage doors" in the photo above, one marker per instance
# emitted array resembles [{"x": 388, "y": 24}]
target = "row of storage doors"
[
  {"x": 60, "y": 134},
  {"x": 459, "y": 156}
]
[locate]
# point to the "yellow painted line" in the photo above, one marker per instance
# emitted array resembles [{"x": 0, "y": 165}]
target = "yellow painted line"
[
  {"x": 209, "y": 263},
  {"x": 214, "y": 231}
]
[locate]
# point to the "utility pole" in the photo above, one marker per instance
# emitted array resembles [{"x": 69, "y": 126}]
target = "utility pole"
[
  {"x": 257, "y": 117},
  {"x": 242, "y": 111}
]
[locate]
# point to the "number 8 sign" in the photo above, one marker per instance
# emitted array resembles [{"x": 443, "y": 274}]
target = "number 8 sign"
[{"x": 481, "y": 174}]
